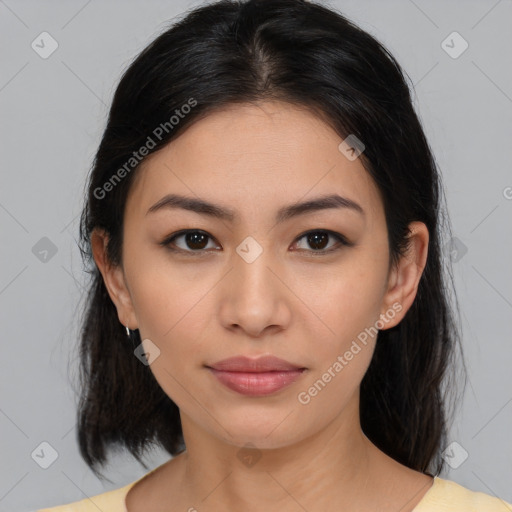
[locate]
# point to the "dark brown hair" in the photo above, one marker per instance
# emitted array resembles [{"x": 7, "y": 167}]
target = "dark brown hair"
[{"x": 233, "y": 52}]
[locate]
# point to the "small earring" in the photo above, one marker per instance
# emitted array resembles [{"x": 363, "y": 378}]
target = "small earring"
[{"x": 127, "y": 331}]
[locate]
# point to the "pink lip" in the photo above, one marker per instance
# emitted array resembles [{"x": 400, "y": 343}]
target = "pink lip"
[
  {"x": 255, "y": 377},
  {"x": 256, "y": 383},
  {"x": 259, "y": 364}
]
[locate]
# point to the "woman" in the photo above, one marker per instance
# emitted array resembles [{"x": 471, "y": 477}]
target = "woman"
[{"x": 267, "y": 299}]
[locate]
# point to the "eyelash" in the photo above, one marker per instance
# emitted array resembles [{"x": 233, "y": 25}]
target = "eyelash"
[{"x": 343, "y": 242}]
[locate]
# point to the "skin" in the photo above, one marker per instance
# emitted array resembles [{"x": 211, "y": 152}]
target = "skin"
[{"x": 303, "y": 307}]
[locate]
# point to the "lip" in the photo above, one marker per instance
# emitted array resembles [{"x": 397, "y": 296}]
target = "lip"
[
  {"x": 256, "y": 377},
  {"x": 261, "y": 364}
]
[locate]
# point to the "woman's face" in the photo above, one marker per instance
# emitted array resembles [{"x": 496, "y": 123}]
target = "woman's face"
[{"x": 257, "y": 284}]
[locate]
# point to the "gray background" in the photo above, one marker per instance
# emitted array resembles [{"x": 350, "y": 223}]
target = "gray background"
[{"x": 53, "y": 112}]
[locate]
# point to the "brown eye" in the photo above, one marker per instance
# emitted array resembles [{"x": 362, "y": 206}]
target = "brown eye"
[
  {"x": 191, "y": 241},
  {"x": 318, "y": 241},
  {"x": 196, "y": 241}
]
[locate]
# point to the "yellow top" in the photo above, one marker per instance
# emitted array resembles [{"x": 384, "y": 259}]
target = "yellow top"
[{"x": 443, "y": 496}]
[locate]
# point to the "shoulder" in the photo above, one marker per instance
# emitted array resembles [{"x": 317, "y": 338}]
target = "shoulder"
[
  {"x": 449, "y": 496},
  {"x": 113, "y": 501}
]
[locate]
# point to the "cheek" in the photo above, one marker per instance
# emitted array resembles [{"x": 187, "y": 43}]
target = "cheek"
[
  {"x": 349, "y": 306},
  {"x": 334, "y": 387},
  {"x": 172, "y": 315},
  {"x": 347, "y": 302},
  {"x": 165, "y": 295},
  {"x": 174, "y": 312}
]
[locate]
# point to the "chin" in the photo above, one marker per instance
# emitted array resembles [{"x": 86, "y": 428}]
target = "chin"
[
  {"x": 271, "y": 433},
  {"x": 258, "y": 441}
]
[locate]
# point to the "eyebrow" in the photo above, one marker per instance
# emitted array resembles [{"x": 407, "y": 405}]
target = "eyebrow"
[{"x": 171, "y": 201}]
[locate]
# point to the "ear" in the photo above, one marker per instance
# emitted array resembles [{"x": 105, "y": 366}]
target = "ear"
[
  {"x": 114, "y": 279},
  {"x": 405, "y": 276}
]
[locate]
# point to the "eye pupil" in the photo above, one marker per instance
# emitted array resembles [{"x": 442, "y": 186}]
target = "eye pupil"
[
  {"x": 196, "y": 240},
  {"x": 314, "y": 239}
]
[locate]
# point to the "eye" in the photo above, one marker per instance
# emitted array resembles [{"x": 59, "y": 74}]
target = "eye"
[
  {"x": 318, "y": 240},
  {"x": 196, "y": 241}
]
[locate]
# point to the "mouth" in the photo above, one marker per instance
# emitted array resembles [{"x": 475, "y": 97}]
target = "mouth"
[
  {"x": 257, "y": 383},
  {"x": 256, "y": 377},
  {"x": 260, "y": 364}
]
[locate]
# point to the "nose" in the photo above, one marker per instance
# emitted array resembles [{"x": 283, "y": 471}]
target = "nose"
[{"x": 254, "y": 298}]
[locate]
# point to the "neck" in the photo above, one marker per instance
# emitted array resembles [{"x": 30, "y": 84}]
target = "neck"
[{"x": 334, "y": 463}]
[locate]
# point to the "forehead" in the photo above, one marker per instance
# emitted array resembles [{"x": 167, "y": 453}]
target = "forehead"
[{"x": 255, "y": 156}]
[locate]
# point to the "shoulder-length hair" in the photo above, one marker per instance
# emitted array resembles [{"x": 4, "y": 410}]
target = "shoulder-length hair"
[{"x": 234, "y": 52}]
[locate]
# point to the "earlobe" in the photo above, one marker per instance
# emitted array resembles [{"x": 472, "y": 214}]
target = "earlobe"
[
  {"x": 114, "y": 279},
  {"x": 405, "y": 277}
]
